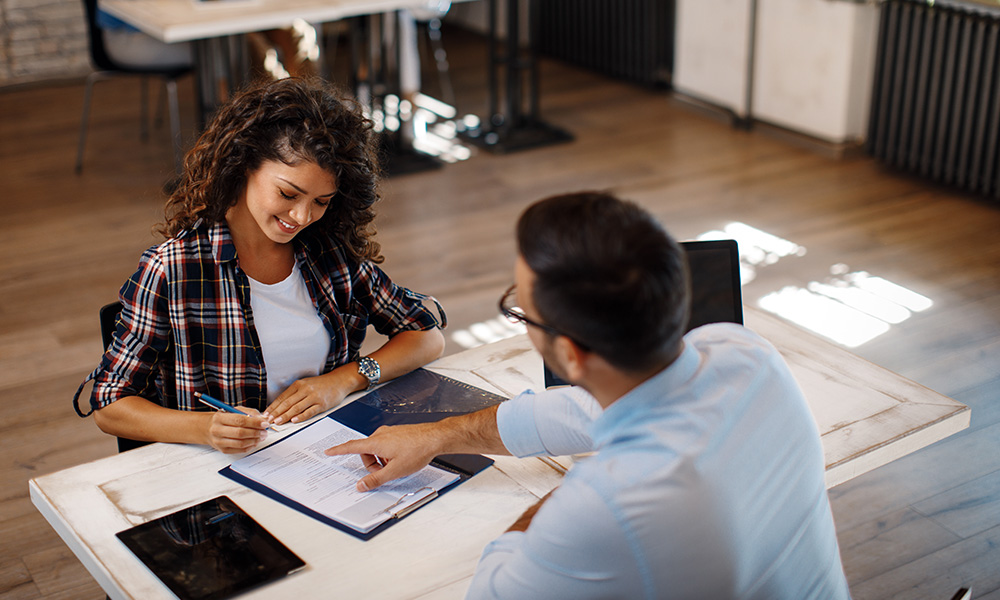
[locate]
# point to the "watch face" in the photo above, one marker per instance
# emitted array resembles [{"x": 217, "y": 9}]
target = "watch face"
[{"x": 370, "y": 369}]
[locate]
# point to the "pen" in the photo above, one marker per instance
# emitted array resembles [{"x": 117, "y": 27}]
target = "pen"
[
  {"x": 215, "y": 403},
  {"x": 206, "y": 399},
  {"x": 219, "y": 517}
]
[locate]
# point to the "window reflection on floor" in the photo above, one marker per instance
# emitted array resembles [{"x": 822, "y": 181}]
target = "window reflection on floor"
[
  {"x": 848, "y": 307},
  {"x": 486, "y": 332}
]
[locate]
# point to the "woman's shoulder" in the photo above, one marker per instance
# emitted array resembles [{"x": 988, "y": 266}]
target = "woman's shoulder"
[{"x": 187, "y": 244}]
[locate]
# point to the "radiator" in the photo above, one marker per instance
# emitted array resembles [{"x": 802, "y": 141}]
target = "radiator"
[
  {"x": 627, "y": 39},
  {"x": 935, "y": 105}
]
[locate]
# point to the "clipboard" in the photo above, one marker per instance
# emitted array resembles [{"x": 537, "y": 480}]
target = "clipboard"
[{"x": 406, "y": 401}]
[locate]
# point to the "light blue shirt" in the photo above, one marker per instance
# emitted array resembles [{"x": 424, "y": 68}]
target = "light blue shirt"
[{"x": 707, "y": 483}]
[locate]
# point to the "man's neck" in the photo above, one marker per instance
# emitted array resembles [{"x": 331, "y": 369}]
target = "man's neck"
[{"x": 607, "y": 383}]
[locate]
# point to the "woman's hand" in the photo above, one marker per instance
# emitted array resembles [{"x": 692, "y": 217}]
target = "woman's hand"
[
  {"x": 310, "y": 396},
  {"x": 231, "y": 433}
]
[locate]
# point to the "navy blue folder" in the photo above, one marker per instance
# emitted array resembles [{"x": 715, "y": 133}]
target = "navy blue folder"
[{"x": 421, "y": 396}]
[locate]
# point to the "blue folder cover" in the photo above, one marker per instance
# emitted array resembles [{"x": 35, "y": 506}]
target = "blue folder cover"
[{"x": 421, "y": 396}]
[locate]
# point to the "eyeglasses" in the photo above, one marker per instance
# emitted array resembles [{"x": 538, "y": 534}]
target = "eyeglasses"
[{"x": 514, "y": 314}]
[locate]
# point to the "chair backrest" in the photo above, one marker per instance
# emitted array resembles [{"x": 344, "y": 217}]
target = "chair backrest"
[
  {"x": 102, "y": 61},
  {"x": 109, "y": 319},
  {"x": 95, "y": 39}
]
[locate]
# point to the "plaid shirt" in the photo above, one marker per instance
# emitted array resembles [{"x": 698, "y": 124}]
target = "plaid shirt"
[{"x": 186, "y": 325}]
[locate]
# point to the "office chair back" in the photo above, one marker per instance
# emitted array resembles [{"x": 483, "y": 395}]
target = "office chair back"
[
  {"x": 95, "y": 40},
  {"x": 109, "y": 319}
]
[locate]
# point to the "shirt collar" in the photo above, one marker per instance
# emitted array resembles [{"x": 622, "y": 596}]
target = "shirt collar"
[
  {"x": 223, "y": 249},
  {"x": 650, "y": 392}
]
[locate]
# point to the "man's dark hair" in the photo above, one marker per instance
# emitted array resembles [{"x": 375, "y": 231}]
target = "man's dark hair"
[{"x": 608, "y": 275}]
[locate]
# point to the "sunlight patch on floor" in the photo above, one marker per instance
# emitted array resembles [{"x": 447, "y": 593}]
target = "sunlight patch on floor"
[
  {"x": 485, "y": 332},
  {"x": 849, "y": 307}
]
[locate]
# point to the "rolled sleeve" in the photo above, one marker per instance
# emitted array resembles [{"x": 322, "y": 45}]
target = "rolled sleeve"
[
  {"x": 550, "y": 423},
  {"x": 391, "y": 308}
]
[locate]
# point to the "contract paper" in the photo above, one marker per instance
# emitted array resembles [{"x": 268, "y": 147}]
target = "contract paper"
[{"x": 297, "y": 468}]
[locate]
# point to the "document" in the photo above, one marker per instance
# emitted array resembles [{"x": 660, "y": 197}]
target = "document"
[{"x": 296, "y": 467}]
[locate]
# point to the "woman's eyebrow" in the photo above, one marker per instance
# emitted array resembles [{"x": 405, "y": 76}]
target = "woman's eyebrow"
[{"x": 302, "y": 191}]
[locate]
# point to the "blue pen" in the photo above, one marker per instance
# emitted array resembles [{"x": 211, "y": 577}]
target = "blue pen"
[
  {"x": 215, "y": 403},
  {"x": 206, "y": 399}
]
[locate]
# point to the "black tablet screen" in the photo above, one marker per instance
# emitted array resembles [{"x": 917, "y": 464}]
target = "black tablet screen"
[{"x": 210, "y": 551}]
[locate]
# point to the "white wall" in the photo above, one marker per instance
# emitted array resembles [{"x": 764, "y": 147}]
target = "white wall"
[
  {"x": 814, "y": 66},
  {"x": 813, "y": 61},
  {"x": 710, "y": 59}
]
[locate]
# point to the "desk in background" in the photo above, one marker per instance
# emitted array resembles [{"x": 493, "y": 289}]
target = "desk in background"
[
  {"x": 867, "y": 416},
  {"x": 220, "y": 52}
]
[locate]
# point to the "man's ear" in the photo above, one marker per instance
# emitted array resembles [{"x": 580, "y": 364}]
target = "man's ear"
[{"x": 572, "y": 357}]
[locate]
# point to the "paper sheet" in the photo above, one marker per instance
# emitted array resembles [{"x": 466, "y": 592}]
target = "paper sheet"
[{"x": 297, "y": 468}]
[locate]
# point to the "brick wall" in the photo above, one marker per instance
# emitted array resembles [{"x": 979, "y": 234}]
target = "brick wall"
[{"x": 42, "y": 39}]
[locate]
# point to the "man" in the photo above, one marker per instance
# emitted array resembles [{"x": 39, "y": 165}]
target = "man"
[{"x": 707, "y": 480}]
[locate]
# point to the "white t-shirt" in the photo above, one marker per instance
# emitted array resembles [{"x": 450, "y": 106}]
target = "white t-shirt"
[{"x": 292, "y": 337}]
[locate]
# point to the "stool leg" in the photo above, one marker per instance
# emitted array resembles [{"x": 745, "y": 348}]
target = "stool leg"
[
  {"x": 144, "y": 109},
  {"x": 88, "y": 90},
  {"x": 175, "y": 124}
]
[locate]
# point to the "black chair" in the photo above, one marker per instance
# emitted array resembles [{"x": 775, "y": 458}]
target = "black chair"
[
  {"x": 109, "y": 318},
  {"x": 106, "y": 68}
]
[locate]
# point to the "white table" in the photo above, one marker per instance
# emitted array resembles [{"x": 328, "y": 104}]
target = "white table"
[
  {"x": 867, "y": 416},
  {"x": 182, "y": 20}
]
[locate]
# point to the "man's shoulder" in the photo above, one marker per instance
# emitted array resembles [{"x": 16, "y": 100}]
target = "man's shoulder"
[
  {"x": 730, "y": 337},
  {"x": 721, "y": 331}
]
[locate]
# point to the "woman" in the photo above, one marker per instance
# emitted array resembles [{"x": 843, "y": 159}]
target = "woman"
[{"x": 262, "y": 293}]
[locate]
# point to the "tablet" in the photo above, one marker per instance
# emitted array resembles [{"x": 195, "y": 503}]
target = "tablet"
[{"x": 210, "y": 551}]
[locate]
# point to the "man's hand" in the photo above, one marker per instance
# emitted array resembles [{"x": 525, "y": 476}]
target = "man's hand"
[{"x": 393, "y": 452}]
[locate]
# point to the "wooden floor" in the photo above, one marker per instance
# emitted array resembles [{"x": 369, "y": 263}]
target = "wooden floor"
[{"x": 918, "y": 528}]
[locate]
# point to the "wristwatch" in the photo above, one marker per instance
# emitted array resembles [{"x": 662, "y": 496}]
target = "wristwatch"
[{"x": 369, "y": 369}]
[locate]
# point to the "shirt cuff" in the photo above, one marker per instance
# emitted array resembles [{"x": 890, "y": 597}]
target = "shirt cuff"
[
  {"x": 516, "y": 424},
  {"x": 551, "y": 423}
]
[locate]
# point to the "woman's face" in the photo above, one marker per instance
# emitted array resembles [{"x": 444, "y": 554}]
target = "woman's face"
[{"x": 282, "y": 199}]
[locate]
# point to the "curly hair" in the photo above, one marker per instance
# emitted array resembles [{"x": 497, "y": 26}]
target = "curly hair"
[{"x": 287, "y": 120}]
